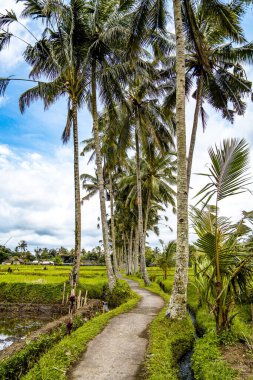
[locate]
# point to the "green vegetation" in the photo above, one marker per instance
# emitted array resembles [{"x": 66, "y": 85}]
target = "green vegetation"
[
  {"x": 35, "y": 285},
  {"x": 176, "y": 337},
  {"x": 207, "y": 361},
  {"x": 22, "y": 361},
  {"x": 120, "y": 294},
  {"x": 161, "y": 362},
  {"x": 223, "y": 265}
]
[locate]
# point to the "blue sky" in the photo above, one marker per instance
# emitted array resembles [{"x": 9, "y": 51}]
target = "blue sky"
[{"x": 36, "y": 187}]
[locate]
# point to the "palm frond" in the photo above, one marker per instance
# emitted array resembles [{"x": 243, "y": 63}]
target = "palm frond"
[
  {"x": 67, "y": 130},
  {"x": 229, "y": 170}
]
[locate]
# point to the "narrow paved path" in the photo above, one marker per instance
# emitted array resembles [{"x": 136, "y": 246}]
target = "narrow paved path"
[{"x": 119, "y": 351}]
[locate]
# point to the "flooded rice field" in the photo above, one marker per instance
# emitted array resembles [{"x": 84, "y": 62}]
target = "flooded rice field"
[{"x": 15, "y": 328}]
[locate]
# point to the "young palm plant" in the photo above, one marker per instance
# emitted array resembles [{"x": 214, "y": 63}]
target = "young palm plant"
[
  {"x": 226, "y": 267},
  {"x": 165, "y": 259}
]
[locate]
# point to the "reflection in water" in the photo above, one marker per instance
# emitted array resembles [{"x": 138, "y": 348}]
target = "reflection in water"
[{"x": 15, "y": 329}]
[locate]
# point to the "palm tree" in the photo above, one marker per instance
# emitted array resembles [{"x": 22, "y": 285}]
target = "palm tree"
[
  {"x": 22, "y": 246},
  {"x": 166, "y": 258},
  {"x": 228, "y": 265},
  {"x": 143, "y": 115},
  {"x": 113, "y": 158},
  {"x": 106, "y": 73},
  {"x": 90, "y": 184},
  {"x": 213, "y": 61},
  {"x": 59, "y": 57},
  {"x": 177, "y": 303},
  {"x": 95, "y": 64},
  {"x": 157, "y": 177}
]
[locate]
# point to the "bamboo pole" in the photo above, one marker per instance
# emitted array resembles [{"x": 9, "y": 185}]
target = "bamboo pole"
[
  {"x": 85, "y": 298},
  {"x": 63, "y": 295}
]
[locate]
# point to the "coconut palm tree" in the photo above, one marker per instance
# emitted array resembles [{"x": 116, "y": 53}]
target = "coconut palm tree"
[
  {"x": 113, "y": 158},
  {"x": 59, "y": 57},
  {"x": 227, "y": 265},
  {"x": 142, "y": 116},
  {"x": 165, "y": 259},
  {"x": 157, "y": 177},
  {"x": 106, "y": 73},
  {"x": 99, "y": 62},
  {"x": 212, "y": 60},
  {"x": 177, "y": 303}
]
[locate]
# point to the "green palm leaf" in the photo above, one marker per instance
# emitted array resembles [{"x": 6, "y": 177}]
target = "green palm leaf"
[{"x": 228, "y": 172}]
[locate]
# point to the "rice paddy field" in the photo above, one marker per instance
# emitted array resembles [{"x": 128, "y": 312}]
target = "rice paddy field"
[
  {"x": 34, "y": 284},
  {"x": 52, "y": 274}
]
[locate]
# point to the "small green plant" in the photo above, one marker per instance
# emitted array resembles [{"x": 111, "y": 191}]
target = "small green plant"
[{"x": 165, "y": 259}]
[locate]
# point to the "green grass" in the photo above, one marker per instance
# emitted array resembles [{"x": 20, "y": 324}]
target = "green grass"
[
  {"x": 30, "y": 283},
  {"x": 53, "y": 274},
  {"x": 58, "y": 360}
]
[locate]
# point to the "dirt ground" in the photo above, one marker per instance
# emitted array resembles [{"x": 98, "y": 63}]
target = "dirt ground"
[{"x": 240, "y": 358}]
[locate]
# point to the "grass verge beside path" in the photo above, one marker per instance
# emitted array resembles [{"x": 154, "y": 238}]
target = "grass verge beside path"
[
  {"x": 168, "y": 340},
  {"x": 55, "y": 364}
]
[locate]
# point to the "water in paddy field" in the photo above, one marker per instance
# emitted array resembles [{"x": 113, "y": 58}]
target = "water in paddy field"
[{"x": 14, "y": 329}]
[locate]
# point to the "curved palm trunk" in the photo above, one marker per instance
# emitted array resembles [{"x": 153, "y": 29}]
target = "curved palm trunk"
[
  {"x": 115, "y": 262},
  {"x": 178, "y": 300},
  {"x": 194, "y": 129},
  {"x": 110, "y": 274},
  {"x": 76, "y": 267},
  {"x": 143, "y": 268}
]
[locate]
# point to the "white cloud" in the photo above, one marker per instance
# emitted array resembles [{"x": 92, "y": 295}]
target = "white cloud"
[{"x": 37, "y": 200}]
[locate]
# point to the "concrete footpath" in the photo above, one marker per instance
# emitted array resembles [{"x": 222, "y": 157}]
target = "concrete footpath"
[{"x": 118, "y": 352}]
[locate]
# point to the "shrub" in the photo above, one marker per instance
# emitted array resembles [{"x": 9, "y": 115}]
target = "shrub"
[{"x": 120, "y": 294}]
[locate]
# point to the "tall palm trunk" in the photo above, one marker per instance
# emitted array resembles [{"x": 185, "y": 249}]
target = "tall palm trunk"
[
  {"x": 110, "y": 274},
  {"x": 130, "y": 252},
  {"x": 146, "y": 216},
  {"x": 115, "y": 262},
  {"x": 194, "y": 129},
  {"x": 178, "y": 300},
  {"x": 144, "y": 272},
  {"x": 136, "y": 251},
  {"x": 125, "y": 252},
  {"x": 76, "y": 267}
]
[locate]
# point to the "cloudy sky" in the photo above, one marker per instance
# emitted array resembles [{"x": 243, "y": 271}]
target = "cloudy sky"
[{"x": 36, "y": 174}]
